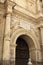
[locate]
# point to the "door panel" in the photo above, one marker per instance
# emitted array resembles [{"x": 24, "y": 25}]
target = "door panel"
[{"x": 22, "y": 52}]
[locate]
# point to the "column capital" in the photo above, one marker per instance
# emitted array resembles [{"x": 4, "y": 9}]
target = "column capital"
[
  {"x": 9, "y": 4},
  {"x": 40, "y": 25},
  {"x": 13, "y": 45}
]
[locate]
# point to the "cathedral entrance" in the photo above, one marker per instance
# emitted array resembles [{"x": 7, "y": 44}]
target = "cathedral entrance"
[
  {"x": 22, "y": 52},
  {"x": 24, "y": 47}
]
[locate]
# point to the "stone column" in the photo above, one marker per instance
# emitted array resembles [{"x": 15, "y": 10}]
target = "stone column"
[
  {"x": 13, "y": 53},
  {"x": 6, "y": 49},
  {"x": 41, "y": 32},
  {"x": 41, "y": 35}
]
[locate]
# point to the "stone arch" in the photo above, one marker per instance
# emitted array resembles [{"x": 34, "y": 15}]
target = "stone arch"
[
  {"x": 22, "y": 31},
  {"x": 30, "y": 44},
  {"x": 35, "y": 44}
]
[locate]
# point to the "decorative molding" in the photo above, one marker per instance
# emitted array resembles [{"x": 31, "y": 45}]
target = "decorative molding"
[
  {"x": 26, "y": 12},
  {"x": 9, "y": 6}
]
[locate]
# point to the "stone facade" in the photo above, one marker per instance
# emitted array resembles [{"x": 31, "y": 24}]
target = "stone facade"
[{"x": 21, "y": 18}]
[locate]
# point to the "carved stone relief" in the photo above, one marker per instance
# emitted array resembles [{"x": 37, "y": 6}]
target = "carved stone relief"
[{"x": 19, "y": 22}]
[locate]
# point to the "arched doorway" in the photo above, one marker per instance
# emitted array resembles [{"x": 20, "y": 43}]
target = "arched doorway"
[
  {"x": 31, "y": 41},
  {"x": 22, "y": 52}
]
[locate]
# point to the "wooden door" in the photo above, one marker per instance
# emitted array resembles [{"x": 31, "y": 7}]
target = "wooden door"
[{"x": 22, "y": 52}]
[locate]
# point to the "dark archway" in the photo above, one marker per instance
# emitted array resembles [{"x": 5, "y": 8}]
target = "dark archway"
[{"x": 22, "y": 52}]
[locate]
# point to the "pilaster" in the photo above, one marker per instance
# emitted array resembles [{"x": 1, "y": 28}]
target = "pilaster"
[
  {"x": 41, "y": 34},
  {"x": 41, "y": 31},
  {"x": 6, "y": 50}
]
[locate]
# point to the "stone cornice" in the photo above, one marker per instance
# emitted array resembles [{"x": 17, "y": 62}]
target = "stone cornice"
[
  {"x": 24, "y": 16},
  {"x": 25, "y": 11},
  {"x": 10, "y": 4}
]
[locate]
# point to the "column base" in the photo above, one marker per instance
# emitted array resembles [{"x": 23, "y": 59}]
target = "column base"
[
  {"x": 12, "y": 62},
  {"x": 6, "y": 62}
]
